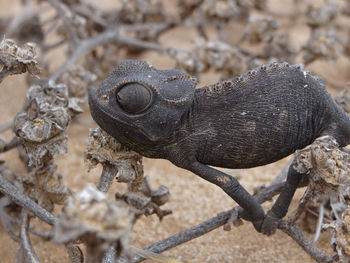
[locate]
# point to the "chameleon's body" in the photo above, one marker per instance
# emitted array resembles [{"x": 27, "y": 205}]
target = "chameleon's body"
[{"x": 252, "y": 120}]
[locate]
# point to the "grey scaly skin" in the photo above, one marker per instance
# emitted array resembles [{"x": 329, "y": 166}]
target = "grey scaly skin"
[{"x": 248, "y": 121}]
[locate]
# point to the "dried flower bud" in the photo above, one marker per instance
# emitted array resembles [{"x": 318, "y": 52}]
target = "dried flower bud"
[
  {"x": 141, "y": 11},
  {"x": 280, "y": 47},
  {"x": 46, "y": 187},
  {"x": 317, "y": 16},
  {"x": 322, "y": 45},
  {"x": 99, "y": 223},
  {"x": 341, "y": 236},
  {"x": 325, "y": 161},
  {"x": 77, "y": 80},
  {"x": 210, "y": 55},
  {"x": 16, "y": 60},
  {"x": 103, "y": 148},
  {"x": 261, "y": 29},
  {"x": 43, "y": 122}
]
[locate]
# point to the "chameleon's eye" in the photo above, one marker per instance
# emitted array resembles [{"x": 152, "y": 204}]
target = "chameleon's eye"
[{"x": 134, "y": 98}]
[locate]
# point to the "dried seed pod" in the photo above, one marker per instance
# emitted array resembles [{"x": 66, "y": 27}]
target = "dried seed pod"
[
  {"x": 222, "y": 11},
  {"x": 341, "y": 236},
  {"x": 104, "y": 149},
  {"x": 17, "y": 60},
  {"x": 140, "y": 11},
  {"x": 43, "y": 123},
  {"x": 46, "y": 187},
  {"x": 261, "y": 29},
  {"x": 326, "y": 163},
  {"x": 324, "y": 15},
  {"x": 279, "y": 47},
  {"x": 99, "y": 223},
  {"x": 207, "y": 55},
  {"x": 322, "y": 45},
  {"x": 77, "y": 79},
  {"x": 328, "y": 169}
]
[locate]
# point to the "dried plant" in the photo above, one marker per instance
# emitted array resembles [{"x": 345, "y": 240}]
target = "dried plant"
[
  {"x": 104, "y": 149},
  {"x": 89, "y": 217},
  {"x": 17, "y": 60},
  {"x": 246, "y": 34}
]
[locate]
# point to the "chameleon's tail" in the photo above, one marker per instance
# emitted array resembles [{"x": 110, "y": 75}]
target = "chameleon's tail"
[{"x": 343, "y": 129}]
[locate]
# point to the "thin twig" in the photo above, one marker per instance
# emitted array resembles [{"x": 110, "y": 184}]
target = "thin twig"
[
  {"x": 205, "y": 227},
  {"x": 283, "y": 174},
  {"x": 27, "y": 247},
  {"x": 6, "y": 219},
  {"x": 221, "y": 219},
  {"x": 19, "y": 198},
  {"x": 46, "y": 48},
  {"x": 12, "y": 144},
  {"x": 44, "y": 235},
  {"x": 65, "y": 20},
  {"x": 108, "y": 36},
  {"x": 28, "y": 14},
  {"x": 6, "y": 126},
  {"x": 294, "y": 232}
]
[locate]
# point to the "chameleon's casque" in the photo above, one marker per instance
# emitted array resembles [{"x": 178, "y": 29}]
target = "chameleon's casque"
[{"x": 251, "y": 120}]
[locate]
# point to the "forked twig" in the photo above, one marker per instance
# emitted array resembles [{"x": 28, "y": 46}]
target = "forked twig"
[
  {"x": 12, "y": 144},
  {"x": 108, "y": 36},
  {"x": 19, "y": 198},
  {"x": 58, "y": 6},
  {"x": 205, "y": 227},
  {"x": 294, "y": 232},
  {"x": 26, "y": 244}
]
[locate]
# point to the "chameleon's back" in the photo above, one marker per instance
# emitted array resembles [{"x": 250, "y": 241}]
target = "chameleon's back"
[{"x": 263, "y": 116}]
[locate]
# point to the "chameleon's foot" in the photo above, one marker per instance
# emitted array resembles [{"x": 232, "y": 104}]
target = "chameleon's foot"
[
  {"x": 258, "y": 225},
  {"x": 257, "y": 222},
  {"x": 269, "y": 225}
]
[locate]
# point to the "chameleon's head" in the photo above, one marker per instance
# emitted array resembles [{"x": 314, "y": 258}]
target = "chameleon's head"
[{"x": 137, "y": 102}]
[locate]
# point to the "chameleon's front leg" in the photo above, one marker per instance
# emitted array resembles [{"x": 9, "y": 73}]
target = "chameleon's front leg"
[{"x": 252, "y": 209}]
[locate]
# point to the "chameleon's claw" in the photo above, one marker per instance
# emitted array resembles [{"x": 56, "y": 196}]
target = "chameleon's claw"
[
  {"x": 258, "y": 225},
  {"x": 269, "y": 225}
]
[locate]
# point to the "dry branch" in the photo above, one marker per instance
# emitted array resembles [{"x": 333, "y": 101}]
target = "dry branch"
[
  {"x": 294, "y": 232},
  {"x": 26, "y": 244},
  {"x": 135, "y": 28},
  {"x": 106, "y": 37},
  {"x": 22, "y": 200}
]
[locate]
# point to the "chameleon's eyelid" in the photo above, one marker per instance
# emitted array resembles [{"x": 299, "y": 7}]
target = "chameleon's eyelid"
[{"x": 145, "y": 84}]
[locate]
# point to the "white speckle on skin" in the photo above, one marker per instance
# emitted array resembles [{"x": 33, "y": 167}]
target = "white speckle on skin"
[
  {"x": 305, "y": 86},
  {"x": 149, "y": 76},
  {"x": 305, "y": 74},
  {"x": 243, "y": 113}
]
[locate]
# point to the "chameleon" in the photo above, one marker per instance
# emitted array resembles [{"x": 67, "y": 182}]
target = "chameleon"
[{"x": 250, "y": 120}]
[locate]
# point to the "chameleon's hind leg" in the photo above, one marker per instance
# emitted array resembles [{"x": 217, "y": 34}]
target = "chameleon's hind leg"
[
  {"x": 280, "y": 207},
  {"x": 252, "y": 209}
]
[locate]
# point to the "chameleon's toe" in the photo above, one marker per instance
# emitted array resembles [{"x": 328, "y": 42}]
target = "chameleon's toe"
[
  {"x": 269, "y": 225},
  {"x": 258, "y": 225}
]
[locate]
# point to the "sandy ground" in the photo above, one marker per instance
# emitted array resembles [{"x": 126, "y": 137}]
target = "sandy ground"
[{"x": 193, "y": 200}]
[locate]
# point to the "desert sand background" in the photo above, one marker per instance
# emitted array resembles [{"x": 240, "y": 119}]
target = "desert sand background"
[{"x": 193, "y": 200}]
